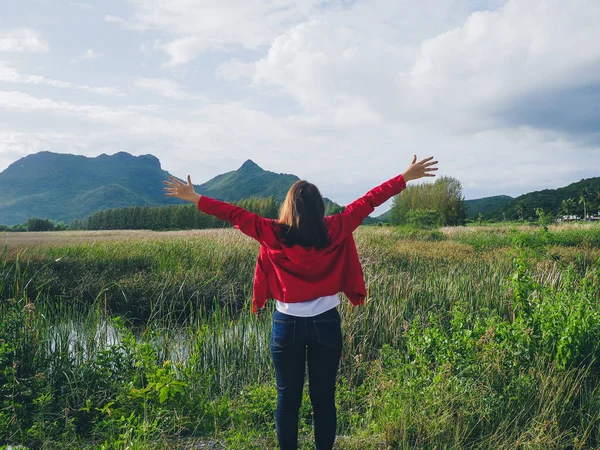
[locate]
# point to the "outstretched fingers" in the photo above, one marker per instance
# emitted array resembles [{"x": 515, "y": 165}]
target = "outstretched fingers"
[{"x": 176, "y": 180}]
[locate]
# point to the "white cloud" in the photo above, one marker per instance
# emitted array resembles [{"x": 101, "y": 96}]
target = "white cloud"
[
  {"x": 11, "y": 75},
  {"x": 89, "y": 54},
  {"x": 166, "y": 88},
  {"x": 22, "y": 40},
  {"x": 194, "y": 26},
  {"x": 524, "y": 47},
  {"x": 184, "y": 50},
  {"x": 461, "y": 79},
  {"x": 82, "y": 5}
]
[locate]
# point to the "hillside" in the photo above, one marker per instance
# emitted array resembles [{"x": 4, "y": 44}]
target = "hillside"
[
  {"x": 248, "y": 181},
  {"x": 550, "y": 200},
  {"x": 487, "y": 206},
  {"x": 64, "y": 187}
]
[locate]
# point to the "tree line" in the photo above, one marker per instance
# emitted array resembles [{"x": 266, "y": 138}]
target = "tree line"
[{"x": 172, "y": 217}]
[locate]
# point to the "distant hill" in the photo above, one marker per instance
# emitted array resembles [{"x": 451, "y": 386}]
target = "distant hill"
[
  {"x": 64, "y": 187},
  {"x": 503, "y": 206},
  {"x": 385, "y": 217},
  {"x": 550, "y": 199},
  {"x": 487, "y": 206}
]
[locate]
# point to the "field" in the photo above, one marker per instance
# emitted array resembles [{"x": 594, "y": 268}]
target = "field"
[{"x": 471, "y": 338}]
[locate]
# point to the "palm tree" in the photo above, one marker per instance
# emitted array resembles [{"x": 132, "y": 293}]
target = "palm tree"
[
  {"x": 567, "y": 206},
  {"x": 582, "y": 200}
]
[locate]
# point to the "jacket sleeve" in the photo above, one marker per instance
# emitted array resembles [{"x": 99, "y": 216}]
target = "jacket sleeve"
[
  {"x": 358, "y": 210},
  {"x": 248, "y": 223}
]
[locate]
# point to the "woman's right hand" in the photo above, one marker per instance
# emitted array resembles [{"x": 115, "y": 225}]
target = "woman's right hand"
[{"x": 420, "y": 169}]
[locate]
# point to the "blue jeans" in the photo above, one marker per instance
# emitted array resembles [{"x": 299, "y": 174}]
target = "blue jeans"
[{"x": 294, "y": 341}]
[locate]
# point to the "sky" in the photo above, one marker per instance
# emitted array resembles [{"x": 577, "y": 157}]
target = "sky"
[{"x": 504, "y": 94}]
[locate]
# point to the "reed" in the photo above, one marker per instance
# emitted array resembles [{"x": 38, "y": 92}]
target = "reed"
[{"x": 146, "y": 339}]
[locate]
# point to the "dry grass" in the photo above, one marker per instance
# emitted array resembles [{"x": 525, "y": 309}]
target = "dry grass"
[
  {"x": 59, "y": 238},
  {"x": 451, "y": 232}
]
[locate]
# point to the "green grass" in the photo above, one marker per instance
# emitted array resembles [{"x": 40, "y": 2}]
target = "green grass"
[{"x": 150, "y": 343}]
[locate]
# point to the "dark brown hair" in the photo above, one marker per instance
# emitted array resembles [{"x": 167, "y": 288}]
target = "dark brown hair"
[{"x": 301, "y": 217}]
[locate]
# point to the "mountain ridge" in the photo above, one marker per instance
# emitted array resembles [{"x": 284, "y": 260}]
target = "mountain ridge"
[{"x": 64, "y": 187}]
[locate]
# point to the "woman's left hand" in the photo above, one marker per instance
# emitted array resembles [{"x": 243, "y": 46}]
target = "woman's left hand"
[{"x": 181, "y": 190}]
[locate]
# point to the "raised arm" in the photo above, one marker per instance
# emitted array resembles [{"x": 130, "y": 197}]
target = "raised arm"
[
  {"x": 248, "y": 223},
  {"x": 357, "y": 211}
]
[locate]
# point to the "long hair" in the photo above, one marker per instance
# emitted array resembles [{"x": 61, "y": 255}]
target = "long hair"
[{"x": 301, "y": 217}]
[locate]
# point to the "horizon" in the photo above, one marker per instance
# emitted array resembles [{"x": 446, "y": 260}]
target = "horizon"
[
  {"x": 503, "y": 93},
  {"x": 378, "y": 211}
]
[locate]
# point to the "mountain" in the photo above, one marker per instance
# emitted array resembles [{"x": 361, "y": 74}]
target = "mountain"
[
  {"x": 503, "y": 206},
  {"x": 248, "y": 181},
  {"x": 64, "y": 187},
  {"x": 487, "y": 206},
  {"x": 385, "y": 217},
  {"x": 550, "y": 200}
]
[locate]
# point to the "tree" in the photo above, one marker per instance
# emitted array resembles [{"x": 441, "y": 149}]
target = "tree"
[
  {"x": 36, "y": 224},
  {"x": 520, "y": 209},
  {"x": 444, "y": 197},
  {"x": 335, "y": 210},
  {"x": 567, "y": 206},
  {"x": 583, "y": 200}
]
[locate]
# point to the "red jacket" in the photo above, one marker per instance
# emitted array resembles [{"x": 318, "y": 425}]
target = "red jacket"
[{"x": 296, "y": 274}]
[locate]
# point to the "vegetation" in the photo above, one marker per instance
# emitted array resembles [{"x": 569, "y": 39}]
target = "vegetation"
[
  {"x": 581, "y": 198},
  {"x": 149, "y": 343},
  {"x": 440, "y": 203},
  {"x": 35, "y": 224},
  {"x": 485, "y": 205},
  {"x": 183, "y": 217}
]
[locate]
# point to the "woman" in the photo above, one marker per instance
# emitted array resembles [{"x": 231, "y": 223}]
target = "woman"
[{"x": 305, "y": 260}]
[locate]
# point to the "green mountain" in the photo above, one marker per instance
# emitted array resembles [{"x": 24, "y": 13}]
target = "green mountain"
[
  {"x": 248, "y": 181},
  {"x": 550, "y": 200},
  {"x": 385, "y": 217},
  {"x": 487, "y": 206},
  {"x": 503, "y": 206},
  {"x": 64, "y": 187}
]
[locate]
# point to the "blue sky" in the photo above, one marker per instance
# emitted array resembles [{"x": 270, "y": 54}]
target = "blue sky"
[{"x": 506, "y": 94}]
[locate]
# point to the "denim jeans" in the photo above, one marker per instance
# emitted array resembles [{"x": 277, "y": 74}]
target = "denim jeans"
[{"x": 294, "y": 342}]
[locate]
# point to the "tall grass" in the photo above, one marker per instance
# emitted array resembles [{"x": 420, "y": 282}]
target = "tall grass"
[{"x": 138, "y": 342}]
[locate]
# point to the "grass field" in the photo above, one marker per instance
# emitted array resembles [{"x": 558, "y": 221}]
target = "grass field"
[{"x": 471, "y": 337}]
